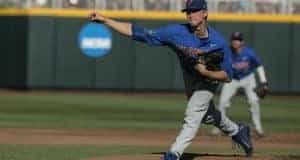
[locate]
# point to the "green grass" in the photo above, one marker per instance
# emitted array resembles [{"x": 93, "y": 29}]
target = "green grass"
[
  {"x": 89, "y": 111},
  {"x": 147, "y": 111},
  {"x": 68, "y": 152},
  {"x": 77, "y": 152}
]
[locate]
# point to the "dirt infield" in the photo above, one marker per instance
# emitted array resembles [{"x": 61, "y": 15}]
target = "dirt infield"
[
  {"x": 197, "y": 157},
  {"x": 142, "y": 138}
]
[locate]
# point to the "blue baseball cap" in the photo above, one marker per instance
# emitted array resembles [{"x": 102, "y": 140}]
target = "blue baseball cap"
[
  {"x": 237, "y": 36},
  {"x": 194, "y": 5}
]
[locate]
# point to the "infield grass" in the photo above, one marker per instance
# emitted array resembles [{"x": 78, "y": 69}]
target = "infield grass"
[{"x": 133, "y": 111}]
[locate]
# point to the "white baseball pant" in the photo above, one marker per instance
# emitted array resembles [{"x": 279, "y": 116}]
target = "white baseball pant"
[
  {"x": 248, "y": 84},
  {"x": 195, "y": 111}
]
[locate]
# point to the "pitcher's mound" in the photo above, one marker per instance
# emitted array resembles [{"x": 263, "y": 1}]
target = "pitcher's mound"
[
  {"x": 196, "y": 157},
  {"x": 131, "y": 157}
]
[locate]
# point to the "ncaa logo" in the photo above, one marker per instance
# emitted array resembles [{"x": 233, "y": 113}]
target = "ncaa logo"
[{"x": 95, "y": 40}]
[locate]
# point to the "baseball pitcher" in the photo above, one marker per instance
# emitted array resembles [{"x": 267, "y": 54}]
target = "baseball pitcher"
[
  {"x": 205, "y": 61},
  {"x": 245, "y": 63}
]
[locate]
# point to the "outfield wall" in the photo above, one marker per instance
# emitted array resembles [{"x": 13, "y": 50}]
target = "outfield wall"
[
  {"x": 40, "y": 50},
  {"x": 13, "y": 59}
]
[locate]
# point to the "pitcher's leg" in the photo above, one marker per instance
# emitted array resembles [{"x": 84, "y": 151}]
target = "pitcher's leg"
[
  {"x": 239, "y": 132},
  {"x": 220, "y": 121},
  {"x": 196, "y": 109},
  {"x": 227, "y": 126},
  {"x": 228, "y": 90}
]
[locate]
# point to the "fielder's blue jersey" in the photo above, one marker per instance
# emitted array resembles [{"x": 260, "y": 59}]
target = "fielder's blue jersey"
[
  {"x": 244, "y": 63},
  {"x": 180, "y": 37}
]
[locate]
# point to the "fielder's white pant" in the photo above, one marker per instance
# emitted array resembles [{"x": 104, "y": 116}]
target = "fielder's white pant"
[
  {"x": 196, "y": 110},
  {"x": 248, "y": 84}
]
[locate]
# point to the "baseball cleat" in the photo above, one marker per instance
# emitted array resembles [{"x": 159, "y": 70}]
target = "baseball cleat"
[
  {"x": 259, "y": 133},
  {"x": 170, "y": 156},
  {"x": 215, "y": 131},
  {"x": 243, "y": 139}
]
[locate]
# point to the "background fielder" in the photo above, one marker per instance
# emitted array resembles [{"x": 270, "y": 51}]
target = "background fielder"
[{"x": 245, "y": 63}]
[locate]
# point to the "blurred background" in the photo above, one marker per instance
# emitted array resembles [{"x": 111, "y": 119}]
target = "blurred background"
[
  {"x": 49, "y": 51},
  {"x": 50, "y": 44},
  {"x": 216, "y": 6}
]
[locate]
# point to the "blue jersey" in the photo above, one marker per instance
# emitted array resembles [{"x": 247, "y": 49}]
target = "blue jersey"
[
  {"x": 180, "y": 37},
  {"x": 244, "y": 63}
]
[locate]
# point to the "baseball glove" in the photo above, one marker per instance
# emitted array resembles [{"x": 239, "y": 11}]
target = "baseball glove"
[
  {"x": 262, "y": 90},
  {"x": 212, "y": 61}
]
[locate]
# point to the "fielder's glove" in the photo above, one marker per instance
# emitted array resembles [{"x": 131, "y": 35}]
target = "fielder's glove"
[
  {"x": 212, "y": 61},
  {"x": 262, "y": 90}
]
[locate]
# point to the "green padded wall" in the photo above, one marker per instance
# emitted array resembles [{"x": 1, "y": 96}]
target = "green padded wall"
[
  {"x": 154, "y": 65},
  {"x": 272, "y": 42},
  {"x": 13, "y": 49},
  {"x": 295, "y": 59},
  {"x": 73, "y": 69},
  {"x": 41, "y": 52},
  {"x": 117, "y": 69}
]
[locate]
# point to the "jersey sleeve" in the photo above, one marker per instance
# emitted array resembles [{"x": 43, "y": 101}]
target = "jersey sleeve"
[
  {"x": 156, "y": 37},
  {"x": 255, "y": 60},
  {"x": 226, "y": 65}
]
